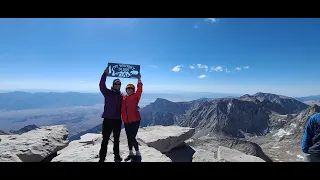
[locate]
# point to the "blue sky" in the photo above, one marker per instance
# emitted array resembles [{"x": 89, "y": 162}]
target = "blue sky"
[{"x": 227, "y": 55}]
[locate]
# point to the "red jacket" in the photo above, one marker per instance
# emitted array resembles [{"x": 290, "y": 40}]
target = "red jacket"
[{"x": 129, "y": 112}]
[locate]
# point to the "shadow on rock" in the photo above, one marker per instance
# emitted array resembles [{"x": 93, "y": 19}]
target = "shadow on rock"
[
  {"x": 50, "y": 157},
  {"x": 182, "y": 153}
]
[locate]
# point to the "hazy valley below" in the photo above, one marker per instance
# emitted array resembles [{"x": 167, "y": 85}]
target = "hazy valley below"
[
  {"x": 78, "y": 111},
  {"x": 77, "y": 119},
  {"x": 274, "y": 123}
]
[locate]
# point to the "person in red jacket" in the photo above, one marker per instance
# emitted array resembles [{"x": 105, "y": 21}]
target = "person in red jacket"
[{"x": 131, "y": 117}]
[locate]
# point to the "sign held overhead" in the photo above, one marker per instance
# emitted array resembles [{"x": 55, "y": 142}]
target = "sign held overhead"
[{"x": 123, "y": 70}]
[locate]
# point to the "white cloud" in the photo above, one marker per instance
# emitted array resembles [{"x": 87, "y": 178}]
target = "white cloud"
[
  {"x": 201, "y": 66},
  {"x": 238, "y": 69},
  {"x": 82, "y": 81},
  {"x": 192, "y": 67},
  {"x": 227, "y": 71},
  {"x": 246, "y": 67},
  {"x": 176, "y": 68},
  {"x": 212, "y": 20},
  {"x": 217, "y": 69},
  {"x": 195, "y": 26},
  {"x": 202, "y": 76}
]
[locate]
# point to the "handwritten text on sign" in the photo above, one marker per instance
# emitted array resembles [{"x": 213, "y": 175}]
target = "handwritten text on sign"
[{"x": 123, "y": 70}]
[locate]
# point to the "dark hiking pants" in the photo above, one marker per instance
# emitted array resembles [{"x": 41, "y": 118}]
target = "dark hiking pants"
[
  {"x": 108, "y": 126},
  {"x": 312, "y": 158},
  {"x": 131, "y": 131}
]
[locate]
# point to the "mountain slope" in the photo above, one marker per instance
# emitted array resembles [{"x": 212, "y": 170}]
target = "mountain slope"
[
  {"x": 95, "y": 129},
  {"x": 284, "y": 143},
  {"x": 297, "y": 124},
  {"x": 277, "y": 103},
  {"x": 209, "y": 117},
  {"x": 24, "y": 129},
  {"x": 20, "y": 131},
  {"x": 162, "y": 112},
  {"x": 3, "y": 133},
  {"x": 233, "y": 117},
  {"x": 227, "y": 117}
]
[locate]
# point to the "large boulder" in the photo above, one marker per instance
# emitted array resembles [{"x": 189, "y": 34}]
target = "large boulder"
[
  {"x": 33, "y": 146},
  {"x": 87, "y": 150},
  {"x": 202, "y": 155},
  {"x": 231, "y": 155},
  {"x": 209, "y": 147},
  {"x": 164, "y": 138}
]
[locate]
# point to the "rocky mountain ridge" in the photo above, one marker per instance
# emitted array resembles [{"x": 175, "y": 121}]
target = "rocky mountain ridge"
[
  {"x": 259, "y": 119},
  {"x": 276, "y": 103},
  {"x": 284, "y": 142},
  {"x": 24, "y": 129},
  {"x": 3, "y": 133},
  {"x": 157, "y": 144},
  {"x": 222, "y": 117},
  {"x": 20, "y": 131}
]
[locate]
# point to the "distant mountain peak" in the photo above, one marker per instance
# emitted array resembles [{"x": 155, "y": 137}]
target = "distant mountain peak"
[
  {"x": 277, "y": 103},
  {"x": 246, "y": 95},
  {"x": 315, "y": 107},
  {"x": 3, "y": 133},
  {"x": 25, "y": 129},
  {"x": 161, "y": 100},
  {"x": 271, "y": 95}
]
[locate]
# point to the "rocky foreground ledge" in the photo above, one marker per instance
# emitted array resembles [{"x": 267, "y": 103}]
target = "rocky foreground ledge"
[
  {"x": 33, "y": 146},
  {"x": 157, "y": 144}
]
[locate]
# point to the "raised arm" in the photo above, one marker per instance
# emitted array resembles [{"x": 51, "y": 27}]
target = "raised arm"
[
  {"x": 308, "y": 135},
  {"x": 139, "y": 88},
  {"x": 103, "y": 88}
]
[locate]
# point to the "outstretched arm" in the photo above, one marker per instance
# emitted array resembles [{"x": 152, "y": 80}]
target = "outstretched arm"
[
  {"x": 103, "y": 88},
  {"x": 139, "y": 88},
  {"x": 308, "y": 135}
]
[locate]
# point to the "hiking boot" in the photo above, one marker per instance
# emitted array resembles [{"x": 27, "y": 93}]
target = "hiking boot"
[
  {"x": 117, "y": 159},
  {"x": 128, "y": 158},
  {"x": 136, "y": 159}
]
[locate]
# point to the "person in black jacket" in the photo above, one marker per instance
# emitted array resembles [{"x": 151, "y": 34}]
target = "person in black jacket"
[{"x": 111, "y": 116}]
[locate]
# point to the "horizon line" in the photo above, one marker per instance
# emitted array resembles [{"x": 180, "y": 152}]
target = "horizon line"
[
  {"x": 90, "y": 92},
  {"x": 151, "y": 92}
]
